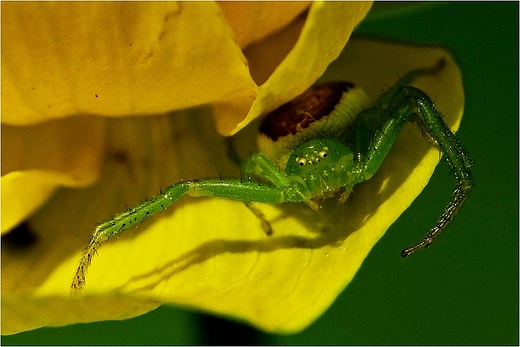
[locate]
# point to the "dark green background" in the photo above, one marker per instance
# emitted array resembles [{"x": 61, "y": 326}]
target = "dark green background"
[{"x": 464, "y": 289}]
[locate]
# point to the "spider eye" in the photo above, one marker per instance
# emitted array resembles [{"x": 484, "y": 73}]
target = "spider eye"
[
  {"x": 301, "y": 161},
  {"x": 323, "y": 153}
]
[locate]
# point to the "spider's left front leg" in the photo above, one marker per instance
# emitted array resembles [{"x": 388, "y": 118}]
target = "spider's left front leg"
[
  {"x": 232, "y": 189},
  {"x": 384, "y": 124}
]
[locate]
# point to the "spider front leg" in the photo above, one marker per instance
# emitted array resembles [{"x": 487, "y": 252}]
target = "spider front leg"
[
  {"x": 260, "y": 166},
  {"x": 384, "y": 124},
  {"x": 247, "y": 191}
]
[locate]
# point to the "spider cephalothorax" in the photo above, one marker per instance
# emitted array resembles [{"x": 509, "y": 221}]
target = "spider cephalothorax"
[
  {"x": 317, "y": 146},
  {"x": 324, "y": 167}
]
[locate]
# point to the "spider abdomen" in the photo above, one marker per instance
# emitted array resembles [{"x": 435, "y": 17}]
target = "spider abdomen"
[{"x": 328, "y": 110}]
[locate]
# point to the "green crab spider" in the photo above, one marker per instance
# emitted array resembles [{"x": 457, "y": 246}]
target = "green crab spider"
[{"x": 315, "y": 147}]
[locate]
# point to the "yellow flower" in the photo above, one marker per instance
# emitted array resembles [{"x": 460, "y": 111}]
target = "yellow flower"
[{"x": 88, "y": 91}]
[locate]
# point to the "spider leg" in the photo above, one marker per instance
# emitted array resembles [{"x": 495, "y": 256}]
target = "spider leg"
[
  {"x": 235, "y": 158},
  {"x": 457, "y": 157},
  {"x": 407, "y": 79},
  {"x": 233, "y": 189},
  {"x": 370, "y": 121},
  {"x": 266, "y": 226},
  {"x": 262, "y": 167},
  {"x": 411, "y": 104}
]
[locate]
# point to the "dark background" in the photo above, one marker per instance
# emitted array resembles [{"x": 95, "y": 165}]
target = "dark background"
[{"x": 464, "y": 290}]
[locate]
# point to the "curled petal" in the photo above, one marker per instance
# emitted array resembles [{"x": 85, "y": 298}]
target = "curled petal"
[{"x": 285, "y": 71}]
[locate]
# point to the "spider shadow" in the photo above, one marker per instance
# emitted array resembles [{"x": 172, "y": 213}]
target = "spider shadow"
[{"x": 267, "y": 244}]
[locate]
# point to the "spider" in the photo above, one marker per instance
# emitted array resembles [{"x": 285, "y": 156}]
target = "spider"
[{"x": 315, "y": 147}]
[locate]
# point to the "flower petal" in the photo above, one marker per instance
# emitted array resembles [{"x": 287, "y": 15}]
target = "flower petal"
[
  {"x": 39, "y": 158},
  {"x": 211, "y": 254},
  {"x": 116, "y": 58},
  {"x": 254, "y": 20}
]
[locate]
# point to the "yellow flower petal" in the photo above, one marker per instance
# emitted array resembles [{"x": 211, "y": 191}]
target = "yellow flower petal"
[
  {"x": 212, "y": 254},
  {"x": 254, "y": 20},
  {"x": 39, "y": 158},
  {"x": 64, "y": 312},
  {"x": 116, "y": 58}
]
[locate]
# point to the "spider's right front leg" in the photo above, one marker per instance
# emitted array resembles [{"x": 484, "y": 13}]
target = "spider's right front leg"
[
  {"x": 260, "y": 166},
  {"x": 292, "y": 187}
]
